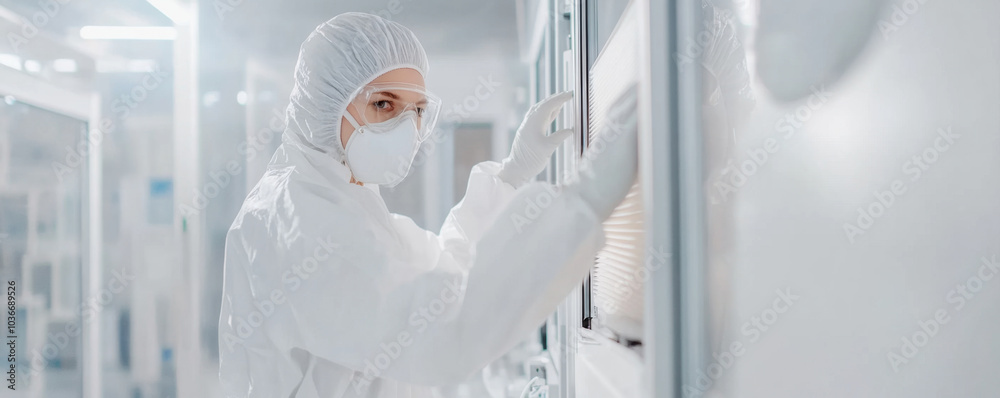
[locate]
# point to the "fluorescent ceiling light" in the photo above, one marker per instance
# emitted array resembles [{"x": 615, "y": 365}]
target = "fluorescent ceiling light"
[
  {"x": 32, "y": 66},
  {"x": 211, "y": 98},
  {"x": 64, "y": 65},
  {"x": 109, "y": 66},
  {"x": 141, "y": 65},
  {"x": 125, "y": 65},
  {"x": 10, "y": 60},
  {"x": 128, "y": 33}
]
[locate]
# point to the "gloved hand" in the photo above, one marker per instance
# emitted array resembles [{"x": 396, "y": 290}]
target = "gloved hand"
[
  {"x": 532, "y": 148},
  {"x": 609, "y": 167}
]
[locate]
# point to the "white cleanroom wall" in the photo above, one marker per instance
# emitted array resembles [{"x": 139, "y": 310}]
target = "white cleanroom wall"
[{"x": 862, "y": 220}]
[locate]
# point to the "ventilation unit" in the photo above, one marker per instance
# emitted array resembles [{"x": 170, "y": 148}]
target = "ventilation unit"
[{"x": 617, "y": 278}]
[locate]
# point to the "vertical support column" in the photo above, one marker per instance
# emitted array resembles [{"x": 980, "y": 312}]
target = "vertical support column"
[
  {"x": 566, "y": 39},
  {"x": 583, "y": 49},
  {"x": 93, "y": 265},
  {"x": 581, "y": 52},
  {"x": 188, "y": 227},
  {"x": 691, "y": 202},
  {"x": 690, "y": 196},
  {"x": 658, "y": 130}
]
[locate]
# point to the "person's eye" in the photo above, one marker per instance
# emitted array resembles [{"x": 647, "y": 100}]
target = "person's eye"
[
  {"x": 420, "y": 112},
  {"x": 382, "y": 105}
]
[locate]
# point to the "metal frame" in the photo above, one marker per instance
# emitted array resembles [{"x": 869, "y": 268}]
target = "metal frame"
[
  {"x": 690, "y": 200},
  {"x": 670, "y": 160},
  {"x": 671, "y": 152},
  {"x": 656, "y": 156},
  {"x": 189, "y": 363},
  {"x": 40, "y": 93},
  {"x": 582, "y": 51},
  {"x": 86, "y": 107},
  {"x": 584, "y": 54}
]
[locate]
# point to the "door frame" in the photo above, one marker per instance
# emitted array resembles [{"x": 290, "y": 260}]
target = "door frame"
[{"x": 84, "y": 106}]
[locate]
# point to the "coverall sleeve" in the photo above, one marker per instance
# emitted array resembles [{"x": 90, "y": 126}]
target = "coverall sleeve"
[{"x": 433, "y": 309}]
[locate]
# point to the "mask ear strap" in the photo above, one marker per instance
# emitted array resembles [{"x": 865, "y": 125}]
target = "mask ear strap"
[{"x": 350, "y": 119}]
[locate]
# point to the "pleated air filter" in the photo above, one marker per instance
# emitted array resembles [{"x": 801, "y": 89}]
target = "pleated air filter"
[{"x": 617, "y": 279}]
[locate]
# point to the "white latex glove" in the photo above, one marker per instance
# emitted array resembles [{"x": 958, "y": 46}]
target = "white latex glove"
[
  {"x": 532, "y": 148},
  {"x": 609, "y": 166}
]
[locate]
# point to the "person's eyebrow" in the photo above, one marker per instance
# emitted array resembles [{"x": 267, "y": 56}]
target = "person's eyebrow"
[{"x": 389, "y": 94}]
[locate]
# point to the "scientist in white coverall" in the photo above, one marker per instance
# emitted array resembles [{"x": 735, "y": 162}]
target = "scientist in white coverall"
[{"x": 327, "y": 294}]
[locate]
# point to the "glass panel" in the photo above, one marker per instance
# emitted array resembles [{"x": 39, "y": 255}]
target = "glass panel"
[
  {"x": 41, "y": 191},
  {"x": 605, "y": 15}
]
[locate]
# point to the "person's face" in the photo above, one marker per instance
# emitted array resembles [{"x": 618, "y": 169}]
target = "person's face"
[{"x": 380, "y": 104}]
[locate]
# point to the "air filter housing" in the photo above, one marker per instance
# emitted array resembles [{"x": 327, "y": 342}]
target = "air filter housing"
[{"x": 618, "y": 278}]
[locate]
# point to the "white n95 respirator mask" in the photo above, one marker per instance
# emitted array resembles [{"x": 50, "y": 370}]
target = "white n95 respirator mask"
[
  {"x": 395, "y": 119},
  {"x": 382, "y": 153}
]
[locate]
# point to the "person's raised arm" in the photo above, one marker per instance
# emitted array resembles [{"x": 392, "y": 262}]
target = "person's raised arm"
[{"x": 432, "y": 316}]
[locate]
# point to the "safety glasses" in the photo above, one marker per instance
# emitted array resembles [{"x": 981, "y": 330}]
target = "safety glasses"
[{"x": 382, "y": 102}]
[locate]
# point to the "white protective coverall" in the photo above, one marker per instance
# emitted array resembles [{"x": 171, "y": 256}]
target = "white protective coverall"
[{"x": 327, "y": 294}]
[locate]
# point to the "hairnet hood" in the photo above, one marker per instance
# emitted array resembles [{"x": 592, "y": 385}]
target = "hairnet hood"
[{"x": 339, "y": 57}]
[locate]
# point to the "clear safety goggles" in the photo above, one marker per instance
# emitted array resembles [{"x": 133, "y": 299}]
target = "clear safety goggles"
[{"x": 382, "y": 102}]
